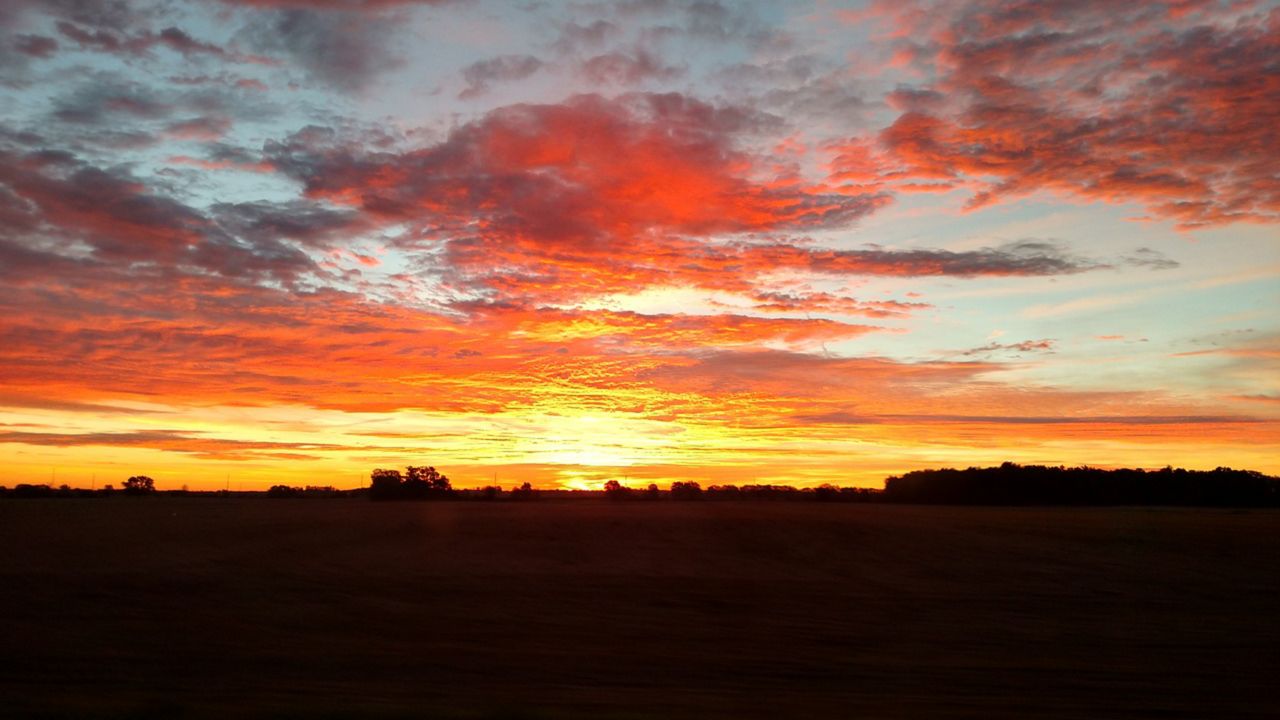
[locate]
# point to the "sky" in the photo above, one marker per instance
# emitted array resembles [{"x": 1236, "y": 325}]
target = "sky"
[{"x": 258, "y": 242}]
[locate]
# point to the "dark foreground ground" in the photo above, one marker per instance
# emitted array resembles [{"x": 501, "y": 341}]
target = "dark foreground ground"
[{"x": 206, "y": 608}]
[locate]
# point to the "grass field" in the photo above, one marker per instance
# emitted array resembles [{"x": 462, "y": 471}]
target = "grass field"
[{"x": 213, "y": 608}]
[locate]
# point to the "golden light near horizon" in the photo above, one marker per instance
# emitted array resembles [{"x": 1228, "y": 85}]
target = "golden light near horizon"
[{"x": 790, "y": 243}]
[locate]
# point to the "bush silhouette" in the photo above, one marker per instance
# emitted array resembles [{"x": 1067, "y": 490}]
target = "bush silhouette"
[{"x": 25, "y": 490}]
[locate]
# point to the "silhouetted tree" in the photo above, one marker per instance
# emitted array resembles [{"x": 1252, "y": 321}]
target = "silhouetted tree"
[
  {"x": 615, "y": 490},
  {"x": 139, "y": 485},
  {"x": 283, "y": 491},
  {"x": 686, "y": 490},
  {"x": 651, "y": 492},
  {"x": 423, "y": 481},
  {"x": 826, "y": 493},
  {"x": 385, "y": 484},
  {"x": 417, "y": 483},
  {"x": 770, "y": 492},
  {"x": 857, "y": 494}
]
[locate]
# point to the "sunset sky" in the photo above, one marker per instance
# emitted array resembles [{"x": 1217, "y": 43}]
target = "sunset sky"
[{"x": 254, "y": 242}]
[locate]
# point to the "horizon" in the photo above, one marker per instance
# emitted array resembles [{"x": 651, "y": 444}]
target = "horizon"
[
  {"x": 250, "y": 243},
  {"x": 162, "y": 487}
]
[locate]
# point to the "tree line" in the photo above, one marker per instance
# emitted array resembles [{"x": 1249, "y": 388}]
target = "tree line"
[
  {"x": 1013, "y": 484},
  {"x": 692, "y": 490},
  {"x": 1006, "y": 484},
  {"x": 135, "y": 485}
]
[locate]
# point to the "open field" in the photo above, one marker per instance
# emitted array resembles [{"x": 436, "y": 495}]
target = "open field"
[{"x": 211, "y": 608}]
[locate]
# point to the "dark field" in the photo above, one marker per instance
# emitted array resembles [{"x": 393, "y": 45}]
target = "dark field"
[{"x": 212, "y": 608}]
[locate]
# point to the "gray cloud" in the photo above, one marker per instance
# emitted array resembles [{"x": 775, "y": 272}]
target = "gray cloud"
[
  {"x": 627, "y": 68},
  {"x": 1026, "y": 346},
  {"x": 121, "y": 222},
  {"x": 346, "y": 50},
  {"x": 1151, "y": 259},
  {"x": 575, "y": 37},
  {"x": 1023, "y": 257},
  {"x": 481, "y": 75},
  {"x": 169, "y": 440}
]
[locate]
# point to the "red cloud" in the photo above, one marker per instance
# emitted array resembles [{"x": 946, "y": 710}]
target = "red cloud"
[
  {"x": 581, "y": 173},
  {"x": 1173, "y": 105},
  {"x": 553, "y": 203}
]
